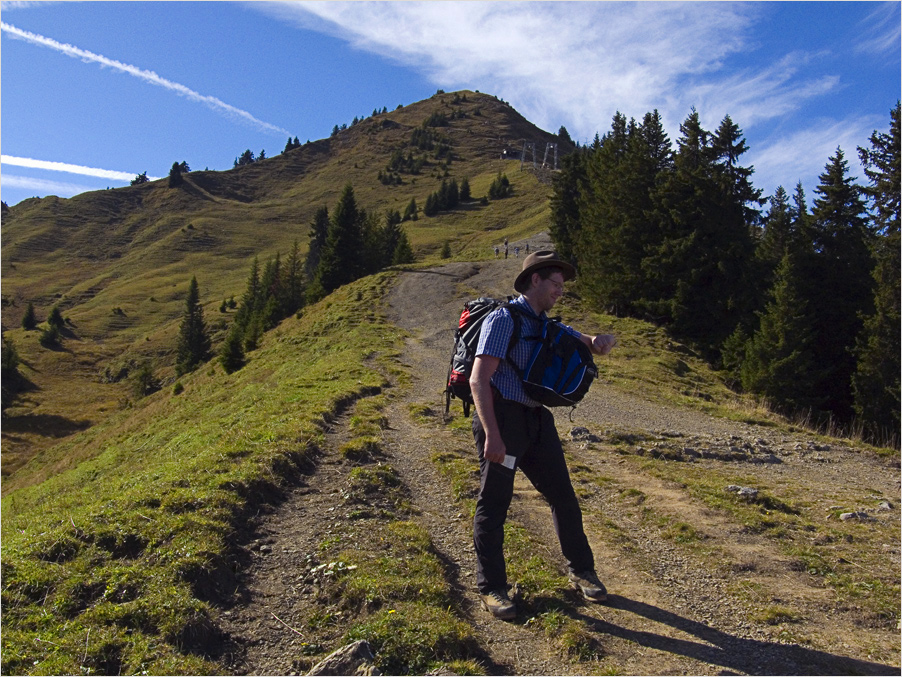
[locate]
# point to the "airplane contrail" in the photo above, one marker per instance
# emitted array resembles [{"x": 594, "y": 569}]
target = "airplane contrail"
[
  {"x": 147, "y": 76},
  {"x": 43, "y": 186},
  {"x": 71, "y": 169}
]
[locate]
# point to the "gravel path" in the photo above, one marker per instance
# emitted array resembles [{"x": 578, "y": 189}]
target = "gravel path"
[{"x": 672, "y": 609}]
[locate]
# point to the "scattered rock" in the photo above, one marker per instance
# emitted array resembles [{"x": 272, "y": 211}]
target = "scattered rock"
[
  {"x": 846, "y": 516},
  {"x": 353, "y": 659},
  {"x": 745, "y": 492},
  {"x": 583, "y": 435},
  {"x": 884, "y": 505}
]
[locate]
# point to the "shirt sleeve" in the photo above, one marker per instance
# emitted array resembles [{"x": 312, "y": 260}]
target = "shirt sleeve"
[{"x": 496, "y": 334}]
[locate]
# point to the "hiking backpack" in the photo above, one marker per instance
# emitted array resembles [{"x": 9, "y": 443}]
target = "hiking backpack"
[
  {"x": 466, "y": 340},
  {"x": 559, "y": 371}
]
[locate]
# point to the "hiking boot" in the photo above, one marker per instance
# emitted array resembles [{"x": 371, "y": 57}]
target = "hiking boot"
[
  {"x": 499, "y": 605},
  {"x": 588, "y": 584}
]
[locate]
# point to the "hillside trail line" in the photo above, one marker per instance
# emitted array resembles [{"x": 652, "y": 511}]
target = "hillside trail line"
[
  {"x": 659, "y": 595},
  {"x": 670, "y": 610}
]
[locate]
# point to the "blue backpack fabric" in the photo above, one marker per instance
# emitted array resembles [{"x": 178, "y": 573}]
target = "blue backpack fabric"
[
  {"x": 559, "y": 372},
  {"x": 560, "y": 369}
]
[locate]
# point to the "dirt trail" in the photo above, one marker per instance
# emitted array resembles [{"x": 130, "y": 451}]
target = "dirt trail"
[{"x": 670, "y": 611}]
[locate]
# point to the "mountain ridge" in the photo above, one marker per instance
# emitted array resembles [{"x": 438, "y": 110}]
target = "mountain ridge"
[{"x": 117, "y": 262}]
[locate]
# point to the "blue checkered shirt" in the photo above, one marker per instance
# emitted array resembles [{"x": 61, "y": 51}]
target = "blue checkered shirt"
[{"x": 494, "y": 338}]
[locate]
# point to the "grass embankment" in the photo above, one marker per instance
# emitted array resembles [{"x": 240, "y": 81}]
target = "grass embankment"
[{"x": 109, "y": 567}]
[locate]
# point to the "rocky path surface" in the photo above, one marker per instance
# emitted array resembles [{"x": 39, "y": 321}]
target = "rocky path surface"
[{"x": 672, "y": 609}]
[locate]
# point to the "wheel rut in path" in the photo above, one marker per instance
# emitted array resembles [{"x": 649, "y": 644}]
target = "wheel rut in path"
[{"x": 671, "y": 612}]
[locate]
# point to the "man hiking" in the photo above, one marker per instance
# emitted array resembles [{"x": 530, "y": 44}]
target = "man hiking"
[{"x": 512, "y": 430}]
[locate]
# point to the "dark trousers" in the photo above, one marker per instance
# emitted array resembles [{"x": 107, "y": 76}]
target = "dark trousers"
[{"x": 529, "y": 435}]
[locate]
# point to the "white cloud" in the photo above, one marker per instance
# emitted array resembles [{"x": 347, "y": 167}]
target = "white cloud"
[
  {"x": 577, "y": 63},
  {"x": 147, "y": 76},
  {"x": 42, "y": 186},
  {"x": 71, "y": 169},
  {"x": 802, "y": 156},
  {"x": 756, "y": 97},
  {"x": 881, "y": 32}
]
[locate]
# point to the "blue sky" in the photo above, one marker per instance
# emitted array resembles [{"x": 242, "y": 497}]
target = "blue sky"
[{"x": 94, "y": 93}]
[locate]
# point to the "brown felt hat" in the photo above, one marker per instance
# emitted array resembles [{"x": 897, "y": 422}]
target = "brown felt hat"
[{"x": 538, "y": 260}]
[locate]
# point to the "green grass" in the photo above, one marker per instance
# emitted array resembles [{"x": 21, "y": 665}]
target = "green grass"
[
  {"x": 135, "y": 249},
  {"x": 394, "y": 587},
  {"x": 110, "y": 565},
  {"x": 836, "y": 554}
]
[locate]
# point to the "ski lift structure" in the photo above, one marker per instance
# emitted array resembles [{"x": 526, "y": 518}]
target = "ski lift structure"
[{"x": 530, "y": 146}]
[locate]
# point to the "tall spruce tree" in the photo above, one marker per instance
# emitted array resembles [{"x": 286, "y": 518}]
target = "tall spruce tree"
[
  {"x": 250, "y": 299},
  {"x": 293, "y": 287},
  {"x": 568, "y": 187},
  {"x": 876, "y": 381},
  {"x": 701, "y": 268},
  {"x": 841, "y": 282},
  {"x": 29, "y": 319},
  {"x": 780, "y": 362},
  {"x": 341, "y": 259},
  {"x": 403, "y": 252},
  {"x": 193, "y": 341},
  {"x": 175, "y": 175},
  {"x": 319, "y": 228}
]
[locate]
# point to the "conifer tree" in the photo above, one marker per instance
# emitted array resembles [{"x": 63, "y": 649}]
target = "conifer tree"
[
  {"x": 841, "y": 282},
  {"x": 293, "y": 287},
  {"x": 250, "y": 299},
  {"x": 775, "y": 236},
  {"x": 29, "y": 319},
  {"x": 55, "y": 320},
  {"x": 464, "y": 190},
  {"x": 340, "y": 261},
  {"x": 231, "y": 353},
  {"x": 702, "y": 266},
  {"x": 431, "y": 207},
  {"x": 175, "y": 175},
  {"x": 403, "y": 252},
  {"x": 319, "y": 229},
  {"x": 876, "y": 381},
  {"x": 569, "y": 186},
  {"x": 9, "y": 372},
  {"x": 780, "y": 361},
  {"x": 410, "y": 211},
  {"x": 193, "y": 346},
  {"x": 563, "y": 135},
  {"x": 389, "y": 237},
  {"x": 269, "y": 304}
]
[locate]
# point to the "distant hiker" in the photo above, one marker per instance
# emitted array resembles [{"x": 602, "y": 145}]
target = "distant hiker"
[
  {"x": 496, "y": 252},
  {"x": 517, "y": 252},
  {"x": 513, "y": 430},
  {"x": 527, "y": 248},
  {"x": 505, "y": 250}
]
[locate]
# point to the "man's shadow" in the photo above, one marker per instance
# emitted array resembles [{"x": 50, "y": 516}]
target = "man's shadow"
[{"x": 743, "y": 655}]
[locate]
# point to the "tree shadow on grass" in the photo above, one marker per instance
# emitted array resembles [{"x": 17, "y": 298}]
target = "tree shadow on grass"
[
  {"x": 749, "y": 656},
  {"x": 46, "y": 425}
]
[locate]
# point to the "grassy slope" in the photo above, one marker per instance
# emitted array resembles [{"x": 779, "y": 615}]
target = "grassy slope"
[
  {"x": 106, "y": 562},
  {"x": 115, "y": 537},
  {"x": 110, "y": 533},
  {"x": 119, "y": 261}
]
